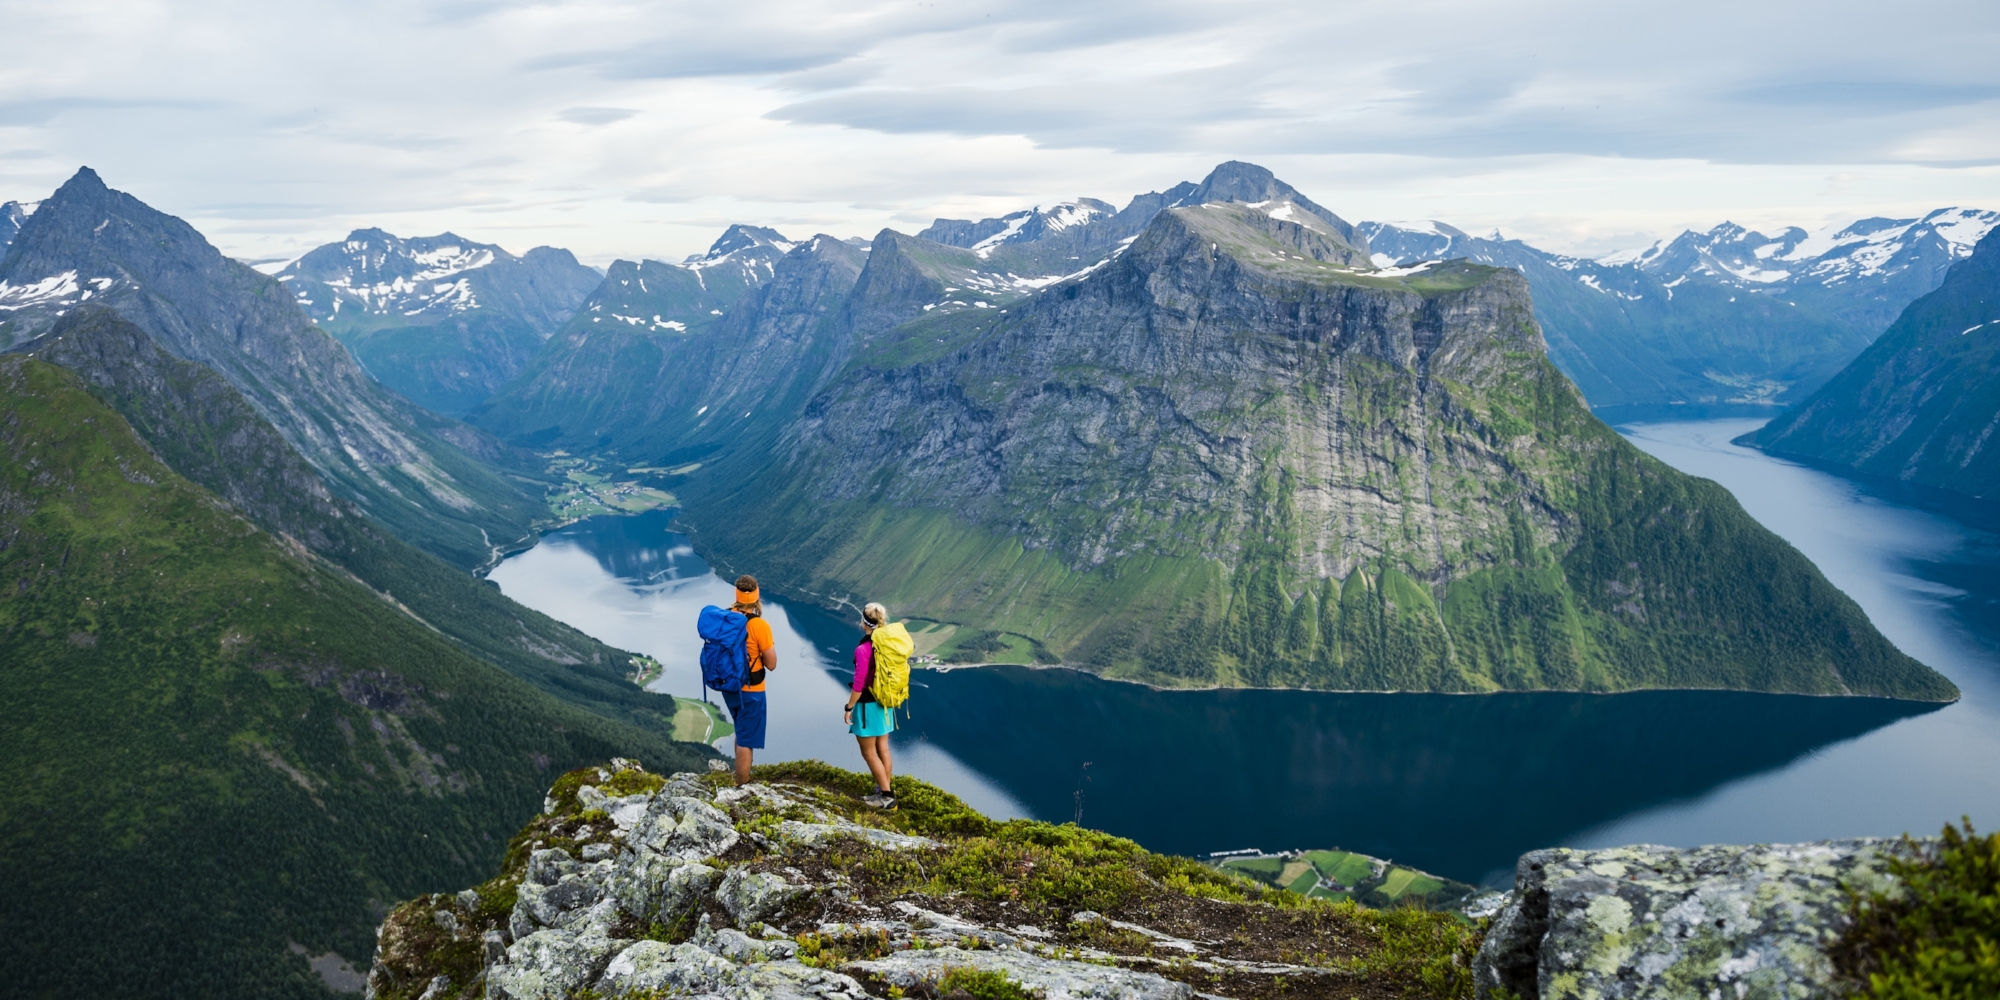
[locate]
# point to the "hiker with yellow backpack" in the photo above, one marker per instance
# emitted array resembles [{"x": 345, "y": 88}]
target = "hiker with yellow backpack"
[{"x": 881, "y": 684}]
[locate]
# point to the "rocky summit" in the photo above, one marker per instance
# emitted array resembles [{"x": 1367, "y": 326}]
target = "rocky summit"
[
  {"x": 630, "y": 884},
  {"x": 633, "y": 884},
  {"x": 1653, "y": 923}
]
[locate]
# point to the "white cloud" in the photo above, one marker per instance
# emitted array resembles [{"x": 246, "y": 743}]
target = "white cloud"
[{"x": 642, "y": 127}]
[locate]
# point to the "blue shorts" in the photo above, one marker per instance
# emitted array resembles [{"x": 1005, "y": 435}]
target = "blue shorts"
[
  {"x": 871, "y": 719},
  {"x": 746, "y": 713}
]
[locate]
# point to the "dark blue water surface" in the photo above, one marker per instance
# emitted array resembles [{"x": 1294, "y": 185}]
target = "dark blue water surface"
[{"x": 1458, "y": 785}]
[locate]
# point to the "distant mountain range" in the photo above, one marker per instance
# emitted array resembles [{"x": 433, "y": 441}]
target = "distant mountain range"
[
  {"x": 1921, "y": 404},
  {"x": 438, "y": 483},
  {"x": 1729, "y": 316},
  {"x": 441, "y": 319},
  {"x": 1201, "y": 440}
]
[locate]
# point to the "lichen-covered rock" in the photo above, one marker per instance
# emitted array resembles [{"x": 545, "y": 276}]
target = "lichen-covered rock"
[
  {"x": 683, "y": 827},
  {"x": 1645, "y": 922},
  {"x": 652, "y": 889},
  {"x": 549, "y": 964},
  {"x": 753, "y": 897},
  {"x": 679, "y": 968},
  {"x": 817, "y": 834},
  {"x": 1055, "y": 979}
]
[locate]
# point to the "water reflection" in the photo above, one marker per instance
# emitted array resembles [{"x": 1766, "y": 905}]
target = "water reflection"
[{"x": 1460, "y": 785}]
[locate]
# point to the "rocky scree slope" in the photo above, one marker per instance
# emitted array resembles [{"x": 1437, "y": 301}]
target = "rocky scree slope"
[
  {"x": 203, "y": 429},
  {"x": 426, "y": 478},
  {"x": 441, "y": 319},
  {"x": 218, "y": 746},
  {"x": 1238, "y": 454},
  {"x": 1730, "y": 316},
  {"x": 1921, "y": 404},
  {"x": 631, "y": 884}
]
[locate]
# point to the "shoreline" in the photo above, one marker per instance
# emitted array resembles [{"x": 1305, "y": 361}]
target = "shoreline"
[
  {"x": 836, "y": 605},
  {"x": 948, "y": 667}
]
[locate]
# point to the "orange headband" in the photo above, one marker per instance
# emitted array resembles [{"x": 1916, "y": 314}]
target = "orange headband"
[{"x": 746, "y": 597}]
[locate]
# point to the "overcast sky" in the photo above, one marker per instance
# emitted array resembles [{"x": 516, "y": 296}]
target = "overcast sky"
[{"x": 640, "y": 129}]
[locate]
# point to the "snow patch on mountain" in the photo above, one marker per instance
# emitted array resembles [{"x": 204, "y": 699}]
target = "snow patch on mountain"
[{"x": 56, "y": 289}]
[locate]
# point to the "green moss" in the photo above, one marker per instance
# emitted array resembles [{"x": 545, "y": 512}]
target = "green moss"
[{"x": 983, "y": 984}]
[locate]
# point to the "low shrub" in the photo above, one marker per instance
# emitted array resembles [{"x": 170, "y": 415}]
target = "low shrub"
[{"x": 1939, "y": 938}]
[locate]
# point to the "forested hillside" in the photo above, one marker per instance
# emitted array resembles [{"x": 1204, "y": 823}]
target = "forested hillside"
[{"x": 220, "y": 746}]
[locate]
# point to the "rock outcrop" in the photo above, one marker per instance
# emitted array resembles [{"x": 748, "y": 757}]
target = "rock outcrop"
[
  {"x": 1639, "y": 923},
  {"x": 631, "y": 884}
]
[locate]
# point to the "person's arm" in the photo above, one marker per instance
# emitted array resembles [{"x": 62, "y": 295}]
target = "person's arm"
[{"x": 767, "y": 644}]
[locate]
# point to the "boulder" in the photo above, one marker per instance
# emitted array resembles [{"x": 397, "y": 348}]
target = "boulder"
[
  {"x": 1646, "y": 922},
  {"x": 751, "y": 897}
]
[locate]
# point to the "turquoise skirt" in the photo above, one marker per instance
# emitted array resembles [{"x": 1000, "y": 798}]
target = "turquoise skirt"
[{"x": 871, "y": 719}]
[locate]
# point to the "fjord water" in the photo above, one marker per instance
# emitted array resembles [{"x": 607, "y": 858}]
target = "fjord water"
[{"x": 1459, "y": 785}]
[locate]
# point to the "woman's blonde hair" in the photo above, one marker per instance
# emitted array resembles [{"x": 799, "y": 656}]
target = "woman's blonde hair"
[{"x": 874, "y": 614}]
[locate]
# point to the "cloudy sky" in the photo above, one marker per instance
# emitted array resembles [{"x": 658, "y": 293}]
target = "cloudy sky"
[{"x": 629, "y": 128}]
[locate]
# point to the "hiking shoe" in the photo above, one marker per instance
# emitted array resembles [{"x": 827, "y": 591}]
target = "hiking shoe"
[{"x": 880, "y": 800}]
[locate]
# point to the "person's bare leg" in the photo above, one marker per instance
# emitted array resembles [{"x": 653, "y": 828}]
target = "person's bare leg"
[
  {"x": 872, "y": 753},
  {"x": 888, "y": 764},
  {"x": 743, "y": 765}
]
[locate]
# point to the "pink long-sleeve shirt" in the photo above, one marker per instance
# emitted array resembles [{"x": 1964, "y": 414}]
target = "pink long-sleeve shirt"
[{"x": 864, "y": 662}]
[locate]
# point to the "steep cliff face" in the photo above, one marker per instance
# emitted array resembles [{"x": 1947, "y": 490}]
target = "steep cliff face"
[
  {"x": 1921, "y": 404},
  {"x": 203, "y": 429},
  {"x": 1237, "y": 453},
  {"x": 410, "y": 468}
]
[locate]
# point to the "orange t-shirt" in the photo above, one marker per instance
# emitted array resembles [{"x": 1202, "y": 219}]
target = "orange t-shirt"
[{"x": 756, "y": 640}]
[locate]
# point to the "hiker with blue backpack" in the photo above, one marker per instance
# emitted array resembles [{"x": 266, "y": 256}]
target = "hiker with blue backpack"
[
  {"x": 881, "y": 683},
  {"x": 737, "y": 651}
]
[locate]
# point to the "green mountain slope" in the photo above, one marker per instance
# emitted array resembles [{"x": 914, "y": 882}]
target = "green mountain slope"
[
  {"x": 218, "y": 746},
  {"x": 1921, "y": 404},
  {"x": 1237, "y": 454},
  {"x": 203, "y": 429},
  {"x": 437, "y": 483}
]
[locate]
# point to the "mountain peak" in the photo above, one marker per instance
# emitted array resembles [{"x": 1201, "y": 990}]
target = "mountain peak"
[
  {"x": 1236, "y": 180},
  {"x": 740, "y": 237},
  {"x": 84, "y": 181},
  {"x": 1251, "y": 184}
]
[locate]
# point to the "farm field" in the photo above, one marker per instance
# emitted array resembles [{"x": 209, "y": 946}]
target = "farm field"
[{"x": 1337, "y": 874}]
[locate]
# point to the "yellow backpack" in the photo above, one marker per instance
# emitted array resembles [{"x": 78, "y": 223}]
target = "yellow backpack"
[{"x": 889, "y": 675}]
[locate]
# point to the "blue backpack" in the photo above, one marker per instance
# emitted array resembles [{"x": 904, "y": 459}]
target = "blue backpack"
[{"x": 725, "y": 664}]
